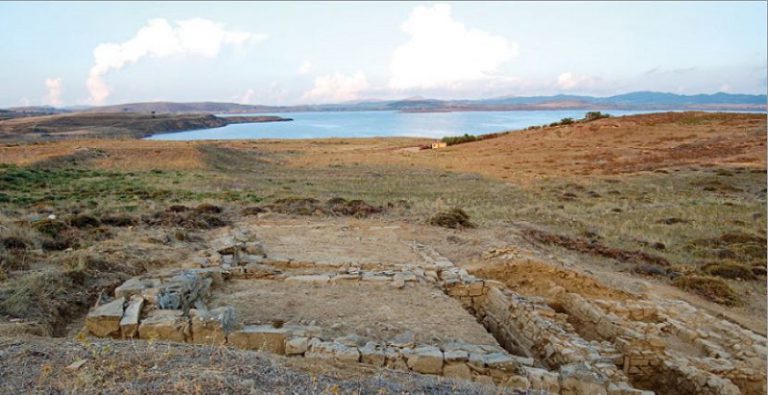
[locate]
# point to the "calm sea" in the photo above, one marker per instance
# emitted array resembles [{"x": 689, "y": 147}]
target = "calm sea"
[{"x": 381, "y": 124}]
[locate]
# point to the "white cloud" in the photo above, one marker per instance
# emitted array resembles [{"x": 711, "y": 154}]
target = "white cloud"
[
  {"x": 55, "y": 87},
  {"x": 158, "y": 38},
  {"x": 442, "y": 52},
  {"x": 305, "y": 67},
  {"x": 336, "y": 88},
  {"x": 247, "y": 97},
  {"x": 569, "y": 80}
]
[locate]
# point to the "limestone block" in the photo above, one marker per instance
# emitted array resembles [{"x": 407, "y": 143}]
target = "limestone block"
[
  {"x": 129, "y": 324},
  {"x": 395, "y": 359},
  {"x": 296, "y": 346},
  {"x": 456, "y": 355},
  {"x": 319, "y": 349},
  {"x": 578, "y": 378},
  {"x": 165, "y": 325},
  {"x": 309, "y": 279},
  {"x": 260, "y": 337},
  {"x": 132, "y": 286},
  {"x": 373, "y": 354},
  {"x": 105, "y": 319},
  {"x": 345, "y": 353},
  {"x": 517, "y": 382},
  {"x": 501, "y": 361},
  {"x": 426, "y": 359},
  {"x": 458, "y": 370},
  {"x": 213, "y": 327},
  {"x": 542, "y": 380},
  {"x": 345, "y": 277}
]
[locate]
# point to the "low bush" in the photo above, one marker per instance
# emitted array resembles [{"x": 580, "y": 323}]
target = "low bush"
[
  {"x": 466, "y": 138},
  {"x": 595, "y": 115},
  {"x": 729, "y": 270},
  {"x": 710, "y": 288}
]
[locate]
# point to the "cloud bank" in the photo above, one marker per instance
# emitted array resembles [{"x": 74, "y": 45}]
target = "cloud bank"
[
  {"x": 442, "y": 52},
  {"x": 158, "y": 38},
  {"x": 568, "y": 81},
  {"x": 55, "y": 87},
  {"x": 336, "y": 88}
]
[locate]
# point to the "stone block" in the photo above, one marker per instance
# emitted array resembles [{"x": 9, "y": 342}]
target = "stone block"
[
  {"x": 373, "y": 354},
  {"x": 542, "y": 380},
  {"x": 458, "y": 370},
  {"x": 104, "y": 320},
  {"x": 129, "y": 324},
  {"x": 165, "y": 325},
  {"x": 426, "y": 359},
  {"x": 259, "y": 337},
  {"x": 456, "y": 355},
  {"x": 212, "y": 327},
  {"x": 319, "y": 349},
  {"x": 296, "y": 346},
  {"x": 309, "y": 279},
  {"x": 517, "y": 382},
  {"x": 343, "y": 353},
  {"x": 132, "y": 286}
]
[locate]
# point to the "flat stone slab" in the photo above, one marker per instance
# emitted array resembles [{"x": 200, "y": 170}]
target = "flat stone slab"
[
  {"x": 260, "y": 337},
  {"x": 426, "y": 359},
  {"x": 309, "y": 279},
  {"x": 104, "y": 320},
  {"x": 129, "y": 324}
]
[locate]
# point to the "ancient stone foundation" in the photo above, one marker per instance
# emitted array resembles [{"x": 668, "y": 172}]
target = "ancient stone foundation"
[{"x": 634, "y": 345}]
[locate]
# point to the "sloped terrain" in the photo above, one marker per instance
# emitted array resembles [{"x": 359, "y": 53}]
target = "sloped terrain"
[{"x": 311, "y": 266}]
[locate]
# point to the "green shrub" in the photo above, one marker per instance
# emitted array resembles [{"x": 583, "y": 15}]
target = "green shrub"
[{"x": 453, "y": 140}]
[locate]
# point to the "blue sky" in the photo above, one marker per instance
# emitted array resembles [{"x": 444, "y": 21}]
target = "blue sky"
[{"x": 68, "y": 54}]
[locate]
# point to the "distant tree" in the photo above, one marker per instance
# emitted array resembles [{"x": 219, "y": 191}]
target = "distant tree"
[
  {"x": 153, "y": 114},
  {"x": 594, "y": 115},
  {"x": 566, "y": 121}
]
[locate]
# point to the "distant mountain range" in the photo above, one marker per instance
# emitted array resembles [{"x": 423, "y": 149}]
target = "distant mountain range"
[{"x": 629, "y": 101}]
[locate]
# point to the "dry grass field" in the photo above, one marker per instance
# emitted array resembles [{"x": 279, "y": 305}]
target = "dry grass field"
[{"x": 675, "y": 202}]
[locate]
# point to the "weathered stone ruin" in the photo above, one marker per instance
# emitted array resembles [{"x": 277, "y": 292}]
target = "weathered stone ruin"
[{"x": 633, "y": 345}]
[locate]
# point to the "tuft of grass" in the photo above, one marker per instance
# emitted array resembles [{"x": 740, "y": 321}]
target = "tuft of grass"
[
  {"x": 207, "y": 208},
  {"x": 119, "y": 220},
  {"x": 81, "y": 221},
  {"x": 50, "y": 227},
  {"x": 454, "y": 218},
  {"x": 710, "y": 288},
  {"x": 729, "y": 270}
]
